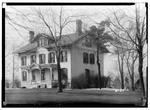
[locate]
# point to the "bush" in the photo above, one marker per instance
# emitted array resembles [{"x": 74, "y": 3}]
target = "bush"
[{"x": 80, "y": 82}]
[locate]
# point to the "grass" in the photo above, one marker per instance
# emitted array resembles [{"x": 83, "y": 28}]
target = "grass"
[{"x": 73, "y": 97}]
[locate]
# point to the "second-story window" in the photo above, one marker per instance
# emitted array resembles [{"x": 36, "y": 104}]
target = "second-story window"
[
  {"x": 51, "y": 57},
  {"x": 85, "y": 57},
  {"x": 33, "y": 59},
  {"x": 23, "y": 61},
  {"x": 92, "y": 59},
  {"x": 63, "y": 56},
  {"x": 42, "y": 59}
]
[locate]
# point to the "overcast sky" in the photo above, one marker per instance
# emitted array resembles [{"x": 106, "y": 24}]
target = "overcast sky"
[{"x": 96, "y": 13}]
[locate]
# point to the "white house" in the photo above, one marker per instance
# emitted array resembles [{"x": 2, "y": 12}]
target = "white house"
[{"x": 38, "y": 61}]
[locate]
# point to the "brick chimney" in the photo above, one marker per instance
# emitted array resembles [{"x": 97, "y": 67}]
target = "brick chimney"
[
  {"x": 31, "y": 36},
  {"x": 78, "y": 27}
]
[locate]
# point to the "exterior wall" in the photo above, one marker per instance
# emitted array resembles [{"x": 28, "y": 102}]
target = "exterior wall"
[
  {"x": 77, "y": 65},
  {"x": 74, "y": 64},
  {"x": 48, "y": 73}
]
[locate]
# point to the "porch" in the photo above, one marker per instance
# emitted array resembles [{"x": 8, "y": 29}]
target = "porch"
[{"x": 42, "y": 76}]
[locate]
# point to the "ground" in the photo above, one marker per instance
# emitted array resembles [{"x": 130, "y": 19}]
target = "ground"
[{"x": 75, "y": 97}]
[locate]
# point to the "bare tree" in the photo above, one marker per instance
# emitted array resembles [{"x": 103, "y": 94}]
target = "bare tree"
[
  {"x": 133, "y": 30},
  {"x": 130, "y": 60},
  {"x": 54, "y": 21}
]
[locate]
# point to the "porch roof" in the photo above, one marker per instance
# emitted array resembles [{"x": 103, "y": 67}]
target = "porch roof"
[{"x": 40, "y": 66}]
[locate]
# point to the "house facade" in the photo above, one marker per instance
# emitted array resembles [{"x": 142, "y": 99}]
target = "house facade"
[{"x": 38, "y": 59}]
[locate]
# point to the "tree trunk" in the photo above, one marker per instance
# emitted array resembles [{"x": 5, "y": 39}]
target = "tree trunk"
[
  {"x": 122, "y": 74},
  {"x": 99, "y": 71},
  {"x": 132, "y": 83},
  {"x": 59, "y": 71},
  {"x": 132, "y": 78},
  {"x": 13, "y": 73},
  {"x": 120, "y": 64},
  {"x": 140, "y": 69}
]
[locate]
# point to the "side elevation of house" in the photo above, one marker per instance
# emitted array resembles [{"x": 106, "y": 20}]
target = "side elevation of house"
[{"x": 38, "y": 59}]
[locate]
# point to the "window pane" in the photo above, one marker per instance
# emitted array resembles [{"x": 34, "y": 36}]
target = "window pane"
[
  {"x": 64, "y": 73},
  {"x": 23, "y": 61},
  {"x": 85, "y": 57},
  {"x": 92, "y": 60},
  {"x": 24, "y": 76},
  {"x": 43, "y": 74},
  {"x": 33, "y": 76},
  {"x": 63, "y": 56},
  {"x": 51, "y": 58},
  {"x": 42, "y": 58}
]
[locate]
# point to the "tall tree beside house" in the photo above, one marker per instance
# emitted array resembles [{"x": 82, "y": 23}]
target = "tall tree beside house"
[
  {"x": 131, "y": 57},
  {"x": 99, "y": 38},
  {"x": 120, "y": 51},
  {"x": 54, "y": 22},
  {"x": 132, "y": 29}
]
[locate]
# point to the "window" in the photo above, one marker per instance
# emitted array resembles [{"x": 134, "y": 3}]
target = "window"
[
  {"x": 64, "y": 72},
  {"x": 88, "y": 42},
  {"x": 92, "y": 59},
  {"x": 24, "y": 76},
  {"x": 33, "y": 76},
  {"x": 42, "y": 58},
  {"x": 51, "y": 57},
  {"x": 43, "y": 42},
  {"x": 54, "y": 74},
  {"x": 23, "y": 61},
  {"x": 33, "y": 59},
  {"x": 85, "y": 57},
  {"x": 63, "y": 56},
  {"x": 43, "y": 74}
]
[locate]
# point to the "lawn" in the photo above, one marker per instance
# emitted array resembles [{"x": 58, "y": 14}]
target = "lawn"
[{"x": 73, "y": 97}]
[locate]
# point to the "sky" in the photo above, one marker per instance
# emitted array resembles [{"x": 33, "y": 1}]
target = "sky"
[{"x": 95, "y": 14}]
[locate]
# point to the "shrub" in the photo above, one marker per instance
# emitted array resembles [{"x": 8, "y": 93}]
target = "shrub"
[{"x": 80, "y": 82}]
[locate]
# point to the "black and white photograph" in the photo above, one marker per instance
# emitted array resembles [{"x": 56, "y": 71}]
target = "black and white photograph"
[{"x": 75, "y": 54}]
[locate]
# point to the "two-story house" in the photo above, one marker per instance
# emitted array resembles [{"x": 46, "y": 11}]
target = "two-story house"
[{"x": 38, "y": 59}]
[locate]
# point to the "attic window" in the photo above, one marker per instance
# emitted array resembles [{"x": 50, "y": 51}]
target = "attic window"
[
  {"x": 88, "y": 42},
  {"x": 43, "y": 42}
]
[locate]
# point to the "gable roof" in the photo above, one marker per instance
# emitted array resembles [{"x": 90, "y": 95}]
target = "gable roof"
[{"x": 68, "y": 39}]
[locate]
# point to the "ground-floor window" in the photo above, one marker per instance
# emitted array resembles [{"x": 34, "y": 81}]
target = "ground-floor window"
[
  {"x": 43, "y": 74},
  {"x": 64, "y": 73},
  {"x": 54, "y": 74},
  {"x": 33, "y": 76},
  {"x": 24, "y": 76}
]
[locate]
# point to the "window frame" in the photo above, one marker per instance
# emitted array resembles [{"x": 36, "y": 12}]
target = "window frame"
[
  {"x": 63, "y": 56},
  {"x": 23, "y": 60},
  {"x": 31, "y": 58},
  {"x": 51, "y": 57},
  {"x": 43, "y": 42},
  {"x": 85, "y": 58},
  {"x": 92, "y": 58},
  {"x": 33, "y": 78},
  {"x": 43, "y": 78},
  {"x": 40, "y": 59},
  {"x": 24, "y": 76}
]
